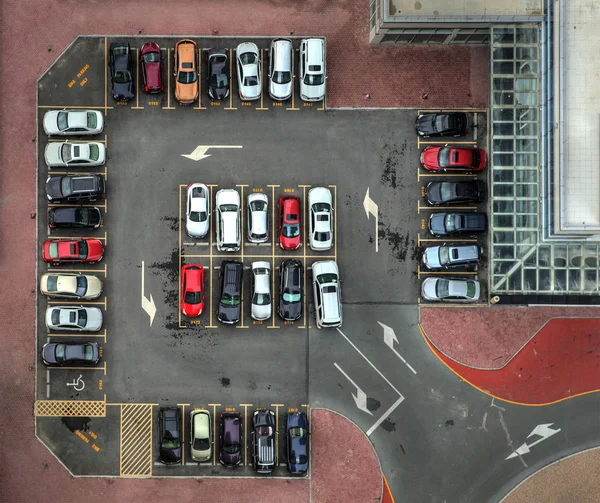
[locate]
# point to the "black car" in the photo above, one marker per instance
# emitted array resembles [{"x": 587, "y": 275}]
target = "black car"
[
  {"x": 230, "y": 303},
  {"x": 169, "y": 426},
  {"x": 291, "y": 289},
  {"x": 230, "y": 439},
  {"x": 263, "y": 441},
  {"x": 67, "y": 217},
  {"x": 443, "y": 124},
  {"x": 297, "y": 443},
  {"x": 121, "y": 71},
  {"x": 218, "y": 74},
  {"x": 448, "y": 224},
  {"x": 56, "y": 354},
  {"x": 472, "y": 191},
  {"x": 74, "y": 188}
]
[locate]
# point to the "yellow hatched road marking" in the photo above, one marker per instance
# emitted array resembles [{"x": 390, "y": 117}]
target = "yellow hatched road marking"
[{"x": 135, "y": 446}]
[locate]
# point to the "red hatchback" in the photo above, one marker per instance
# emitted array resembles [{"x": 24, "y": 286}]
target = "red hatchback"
[
  {"x": 289, "y": 222},
  {"x": 61, "y": 251},
  {"x": 151, "y": 72},
  {"x": 192, "y": 290},
  {"x": 436, "y": 158}
]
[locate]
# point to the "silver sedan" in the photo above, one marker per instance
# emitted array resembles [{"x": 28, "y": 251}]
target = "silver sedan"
[
  {"x": 69, "y": 154},
  {"x": 261, "y": 290},
  {"x": 74, "y": 318}
]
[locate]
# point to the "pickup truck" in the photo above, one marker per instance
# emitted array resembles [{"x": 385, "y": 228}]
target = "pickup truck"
[
  {"x": 447, "y": 224},
  {"x": 74, "y": 188}
]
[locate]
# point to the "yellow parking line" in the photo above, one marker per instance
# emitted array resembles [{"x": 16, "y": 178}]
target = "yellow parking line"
[
  {"x": 76, "y": 368},
  {"x": 179, "y": 270},
  {"x": 214, "y": 406},
  {"x": 246, "y": 419},
  {"x": 447, "y": 142},
  {"x": 443, "y": 208},
  {"x": 444, "y": 175},
  {"x": 277, "y": 405},
  {"x": 62, "y": 140},
  {"x": 334, "y": 222}
]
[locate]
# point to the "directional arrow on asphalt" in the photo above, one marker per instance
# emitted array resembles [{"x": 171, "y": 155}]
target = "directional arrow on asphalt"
[
  {"x": 372, "y": 209},
  {"x": 389, "y": 337},
  {"x": 148, "y": 305},
  {"x": 361, "y": 397},
  {"x": 199, "y": 152},
  {"x": 542, "y": 430}
]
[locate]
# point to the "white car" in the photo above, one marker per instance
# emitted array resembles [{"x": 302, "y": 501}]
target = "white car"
[
  {"x": 71, "y": 286},
  {"x": 320, "y": 221},
  {"x": 75, "y": 154},
  {"x": 197, "y": 212},
  {"x": 248, "y": 63},
  {"x": 261, "y": 290},
  {"x": 227, "y": 219},
  {"x": 258, "y": 218},
  {"x": 73, "y": 122},
  {"x": 280, "y": 69},
  {"x": 450, "y": 290},
  {"x": 327, "y": 293},
  {"x": 311, "y": 69},
  {"x": 201, "y": 435},
  {"x": 78, "y": 318}
]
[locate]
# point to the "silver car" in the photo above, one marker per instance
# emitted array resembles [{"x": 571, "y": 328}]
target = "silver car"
[
  {"x": 68, "y": 154},
  {"x": 280, "y": 69},
  {"x": 248, "y": 71},
  {"x": 450, "y": 290},
  {"x": 197, "y": 212},
  {"x": 258, "y": 218},
  {"x": 77, "y": 318},
  {"x": 73, "y": 122},
  {"x": 201, "y": 436},
  {"x": 320, "y": 220},
  {"x": 261, "y": 291}
]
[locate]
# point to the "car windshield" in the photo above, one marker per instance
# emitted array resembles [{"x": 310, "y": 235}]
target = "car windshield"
[
  {"x": 62, "y": 121},
  {"x": 228, "y": 207},
  {"x": 258, "y": 206},
  {"x": 471, "y": 289},
  {"x": 314, "y": 80},
  {"x": 152, "y": 57},
  {"x": 65, "y": 152},
  {"x": 298, "y": 460},
  {"x": 230, "y": 300},
  {"x": 476, "y": 159},
  {"x": 447, "y": 191},
  {"x": 198, "y": 216},
  {"x": 83, "y": 249},
  {"x": 94, "y": 152},
  {"x": 81, "y": 317},
  {"x": 250, "y": 81},
  {"x": 321, "y": 208},
  {"x": 219, "y": 81},
  {"x": 444, "y": 255},
  {"x": 169, "y": 442},
  {"x": 449, "y": 221},
  {"x": 52, "y": 283},
  {"x": 53, "y": 250},
  {"x": 81, "y": 285},
  {"x": 92, "y": 120},
  {"x": 291, "y": 297},
  {"x": 187, "y": 77},
  {"x": 192, "y": 298},
  {"x": 122, "y": 77},
  {"x": 327, "y": 278},
  {"x": 442, "y": 288},
  {"x": 65, "y": 186},
  {"x": 444, "y": 157},
  {"x": 201, "y": 444},
  {"x": 231, "y": 448},
  {"x": 88, "y": 352},
  {"x": 297, "y": 432},
  {"x": 82, "y": 215},
  {"x": 59, "y": 352},
  {"x": 261, "y": 299},
  {"x": 290, "y": 231},
  {"x": 322, "y": 236},
  {"x": 282, "y": 77},
  {"x": 248, "y": 58}
]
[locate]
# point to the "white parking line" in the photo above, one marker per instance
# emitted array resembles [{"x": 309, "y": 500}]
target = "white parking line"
[{"x": 384, "y": 416}]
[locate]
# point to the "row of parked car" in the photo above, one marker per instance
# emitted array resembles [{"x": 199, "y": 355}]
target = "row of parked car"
[
  {"x": 231, "y": 441},
  {"x": 228, "y": 218},
  {"x": 451, "y": 159},
  {"x": 311, "y": 70}
]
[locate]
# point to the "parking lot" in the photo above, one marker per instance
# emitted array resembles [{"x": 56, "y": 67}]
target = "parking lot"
[{"x": 155, "y": 356}]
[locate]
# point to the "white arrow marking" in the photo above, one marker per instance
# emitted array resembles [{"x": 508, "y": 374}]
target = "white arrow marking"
[
  {"x": 542, "y": 430},
  {"x": 372, "y": 209},
  {"x": 148, "y": 305},
  {"x": 389, "y": 337},
  {"x": 199, "y": 152},
  {"x": 361, "y": 397}
]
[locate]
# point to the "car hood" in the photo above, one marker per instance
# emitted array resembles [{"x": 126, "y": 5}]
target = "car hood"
[
  {"x": 123, "y": 91},
  {"x": 193, "y": 309},
  {"x": 197, "y": 229},
  {"x": 280, "y": 91},
  {"x": 433, "y": 193},
  {"x": 53, "y": 187},
  {"x": 261, "y": 312},
  {"x": 229, "y": 314},
  {"x": 95, "y": 250},
  {"x": 312, "y": 92},
  {"x": 230, "y": 459},
  {"x": 429, "y": 157},
  {"x": 218, "y": 93},
  {"x": 94, "y": 287},
  {"x": 50, "y": 122},
  {"x": 52, "y": 153},
  {"x": 94, "y": 319},
  {"x": 186, "y": 92},
  {"x": 49, "y": 352},
  {"x": 436, "y": 223},
  {"x": 153, "y": 78},
  {"x": 170, "y": 456},
  {"x": 425, "y": 123},
  {"x": 431, "y": 257},
  {"x": 290, "y": 311}
]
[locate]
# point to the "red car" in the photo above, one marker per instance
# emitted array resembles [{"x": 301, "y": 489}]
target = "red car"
[
  {"x": 435, "y": 158},
  {"x": 151, "y": 72},
  {"x": 58, "y": 251},
  {"x": 289, "y": 222},
  {"x": 192, "y": 290}
]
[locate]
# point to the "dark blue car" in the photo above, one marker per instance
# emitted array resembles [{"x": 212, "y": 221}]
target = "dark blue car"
[
  {"x": 121, "y": 71},
  {"x": 297, "y": 443}
]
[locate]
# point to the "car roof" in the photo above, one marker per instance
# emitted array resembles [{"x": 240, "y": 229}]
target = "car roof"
[
  {"x": 186, "y": 50},
  {"x": 283, "y": 53}
]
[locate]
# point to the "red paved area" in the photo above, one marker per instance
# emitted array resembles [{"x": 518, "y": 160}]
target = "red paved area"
[
  {"x": 488, "y": 337},
  {"x": 561, "y": 361}
]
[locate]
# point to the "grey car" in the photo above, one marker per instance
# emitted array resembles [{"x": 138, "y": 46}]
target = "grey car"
[{"x": 74, "y": 318}]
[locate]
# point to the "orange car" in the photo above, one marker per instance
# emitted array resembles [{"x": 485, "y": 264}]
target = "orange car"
[{"x": 186, "y": 71}]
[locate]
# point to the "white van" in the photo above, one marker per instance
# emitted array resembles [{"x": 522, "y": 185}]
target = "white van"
[
  {"x": 227, "y": 219},
  {"x": 327, "y": 294},
  {"x": 312, "y": 69}
]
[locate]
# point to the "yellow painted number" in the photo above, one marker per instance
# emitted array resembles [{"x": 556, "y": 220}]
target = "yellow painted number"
[
  {"x": 422, "y": 223},
  {"x": 289, "y": 190},
  {"x": 292, "y": 410},
  {"x": 246, "y": 103},
  {"x": 72, "y": 83},
  {"x": 257, "y": 190},
  {"x": 215, "y": 103},
  {"x": 100, "y": 384},
  {"x": 83, "y": 82},
  {"x": 308, "y": 104},
  {"x": 257, "y": 322},
  {"x": 229, "y": 409},
  {"x": 277, "y": 104}
]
